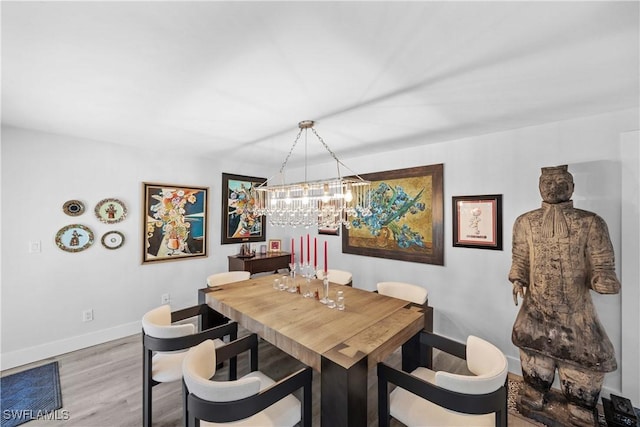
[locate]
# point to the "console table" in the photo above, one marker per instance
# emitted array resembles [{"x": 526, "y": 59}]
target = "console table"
[{"x": 271, "y": 261}]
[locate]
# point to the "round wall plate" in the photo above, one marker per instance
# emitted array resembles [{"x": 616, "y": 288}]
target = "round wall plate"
[
  {"x": 73, "y": 207},
  {"x": 111, "y": 211},
  {"x": 74, "y": 238},
  {"x": 112, "y": 239}
]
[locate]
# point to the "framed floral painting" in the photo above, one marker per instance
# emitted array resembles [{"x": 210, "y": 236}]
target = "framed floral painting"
[
  {"x": 239, "y": 222},
  {"x": 175, "y": 222},
  {"x": 406, "y": 220}
]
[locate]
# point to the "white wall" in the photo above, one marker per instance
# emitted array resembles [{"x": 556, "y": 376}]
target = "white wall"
[
  {"x": 471, "y": 293},
  {"x": 44, "y": 294},
  {"x": 630, "y": 268}
]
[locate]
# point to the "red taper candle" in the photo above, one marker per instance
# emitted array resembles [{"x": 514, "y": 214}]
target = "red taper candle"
[
  {"x": 308, "y": 250},
  {"x": 315, "y": 253},
  {"x": 293, "y": 258},
  {"x": 325, "y": 258},
  {"x": 301, "y": 251}
]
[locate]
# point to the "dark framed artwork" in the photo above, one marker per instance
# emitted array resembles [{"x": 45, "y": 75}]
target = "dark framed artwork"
[
  {"x": 407, "y": 220},
  {"x": 477, "y": 221},
  {"x": 174, "y": 222},
  {"x": 239, "y": 223}
]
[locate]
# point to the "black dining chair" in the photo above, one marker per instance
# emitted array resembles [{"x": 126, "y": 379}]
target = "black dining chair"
[
  {"x": 437, "y": 398},
  {"x": 252, "y": 400},
  {"x": 165, "y": 344}
]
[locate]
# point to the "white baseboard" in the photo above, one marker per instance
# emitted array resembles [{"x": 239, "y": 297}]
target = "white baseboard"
[{"x": 55, "y": 348}]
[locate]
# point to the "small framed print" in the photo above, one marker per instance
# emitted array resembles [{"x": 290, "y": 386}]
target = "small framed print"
[
  {"x": 110, "y": 211},
  {"x": 112, "y": 239},
  {"x": 477, "y": 221},
  {"x": 274, "y": 245}
]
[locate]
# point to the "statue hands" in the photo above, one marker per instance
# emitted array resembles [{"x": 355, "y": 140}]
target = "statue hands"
[
  {"x": 518, "y": 290},
  {"x": 605, "y": 283}
]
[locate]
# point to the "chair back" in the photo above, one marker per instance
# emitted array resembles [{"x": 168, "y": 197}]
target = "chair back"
[
  {"x": 406, "y": 291},
  {"x": 227, "y": 277},
  {"x": 340, "y": 277},
  {"x": 200, "y": 365},
  {"x": 484, "y": 360},
  {"x": 157, "y": 323}
]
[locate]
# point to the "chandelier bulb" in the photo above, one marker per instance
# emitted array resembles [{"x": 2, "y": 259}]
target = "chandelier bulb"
[{"x": 348, "y": 196}]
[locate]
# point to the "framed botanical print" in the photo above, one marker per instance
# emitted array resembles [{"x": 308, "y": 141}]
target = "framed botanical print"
[
  {"x": 174, "y": 222},
  {"x": 406, "y": 221},
  {"x": 477, "y": 221},
  {"x": 239, "y": 222}
]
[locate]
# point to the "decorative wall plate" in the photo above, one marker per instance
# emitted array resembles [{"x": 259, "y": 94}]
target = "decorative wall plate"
[
  {"x": 74, "y": 238},
  {"x": 111, "y": 211},
  {"x": 73, "y": 207},
  {"x": 112, "y": 239}
]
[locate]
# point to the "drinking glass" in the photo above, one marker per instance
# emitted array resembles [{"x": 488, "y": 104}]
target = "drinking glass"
[
  {"x": 284, "y": 283},
  {"x": 340, "y": 300},
  {"x": 325, "y": 290}
]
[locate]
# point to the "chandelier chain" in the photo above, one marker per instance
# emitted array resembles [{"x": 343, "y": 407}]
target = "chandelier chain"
[{"x": 284, "y": 164}]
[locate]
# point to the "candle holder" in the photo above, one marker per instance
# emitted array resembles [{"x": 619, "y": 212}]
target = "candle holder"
[
  {"x": 292, "y": 278},
  {"x": 325, "y": 290}
]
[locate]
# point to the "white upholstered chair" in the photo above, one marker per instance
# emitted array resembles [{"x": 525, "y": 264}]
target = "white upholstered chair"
[
  {"x": 227, "y": 277},
  {"x": 165, "y": 345},
  {"x": 340, "y": 277},
  {"x": 436, "y": 398},
  {"x": 406, "y": 291},
  {"x": 418, "y": 296},
  {"x": 252, "y": 400}
]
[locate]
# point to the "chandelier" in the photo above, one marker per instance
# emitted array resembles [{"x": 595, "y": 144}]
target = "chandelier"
[{"x": 325, "y": 203}]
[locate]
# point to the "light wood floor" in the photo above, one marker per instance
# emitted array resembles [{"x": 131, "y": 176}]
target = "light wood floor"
[{"x": 102, "y": 386}]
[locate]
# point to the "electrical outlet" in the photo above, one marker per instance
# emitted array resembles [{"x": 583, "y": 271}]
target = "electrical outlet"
[
  {"x": 87, "y": 315},
  {"x": 34, "y": 246},
  {"x": 165, "y": 299}
]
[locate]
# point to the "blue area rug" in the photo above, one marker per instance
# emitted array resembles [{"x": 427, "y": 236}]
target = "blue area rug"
[{"x": 31, "y": 394}]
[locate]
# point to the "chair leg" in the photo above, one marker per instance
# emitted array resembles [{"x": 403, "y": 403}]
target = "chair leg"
[
  {"x": 306, "y": 405},
  {"x": 383, "y": 399},
  {"x": 146, "y": 388}
]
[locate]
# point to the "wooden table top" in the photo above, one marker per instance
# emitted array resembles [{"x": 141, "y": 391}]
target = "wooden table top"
[{"x": 371, "y": 326}]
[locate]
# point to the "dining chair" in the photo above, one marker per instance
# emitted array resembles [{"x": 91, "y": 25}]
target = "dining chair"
[
  {"x": 438, "y": 398},
  {"x": 252, "y": 400},
  {"x": 227, "y": 277},
  {"x": 418, "y": 296},
  {"x": 165, "y": 344},
  {"x": 340, "y": 277}
]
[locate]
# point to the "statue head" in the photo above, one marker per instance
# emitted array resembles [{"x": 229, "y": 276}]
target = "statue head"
[{"x": 556, "y": 184}]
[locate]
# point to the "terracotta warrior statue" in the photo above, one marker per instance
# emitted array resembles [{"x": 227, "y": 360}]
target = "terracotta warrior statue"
[{"x": 560, "y": 253}]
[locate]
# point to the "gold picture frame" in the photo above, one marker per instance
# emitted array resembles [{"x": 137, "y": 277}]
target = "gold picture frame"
[
  {"x": 407, "y": 222},
  {"x": 174, "y": 222}
]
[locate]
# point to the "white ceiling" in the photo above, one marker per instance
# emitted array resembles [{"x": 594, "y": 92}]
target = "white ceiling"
[{"x": 235, "y": 78}]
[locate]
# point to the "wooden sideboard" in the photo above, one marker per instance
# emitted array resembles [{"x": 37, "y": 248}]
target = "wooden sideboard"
[{"x": 271, "y": 261}]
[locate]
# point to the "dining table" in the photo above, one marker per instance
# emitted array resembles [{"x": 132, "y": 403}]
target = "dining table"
[{"x": 342, "y": 345}]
